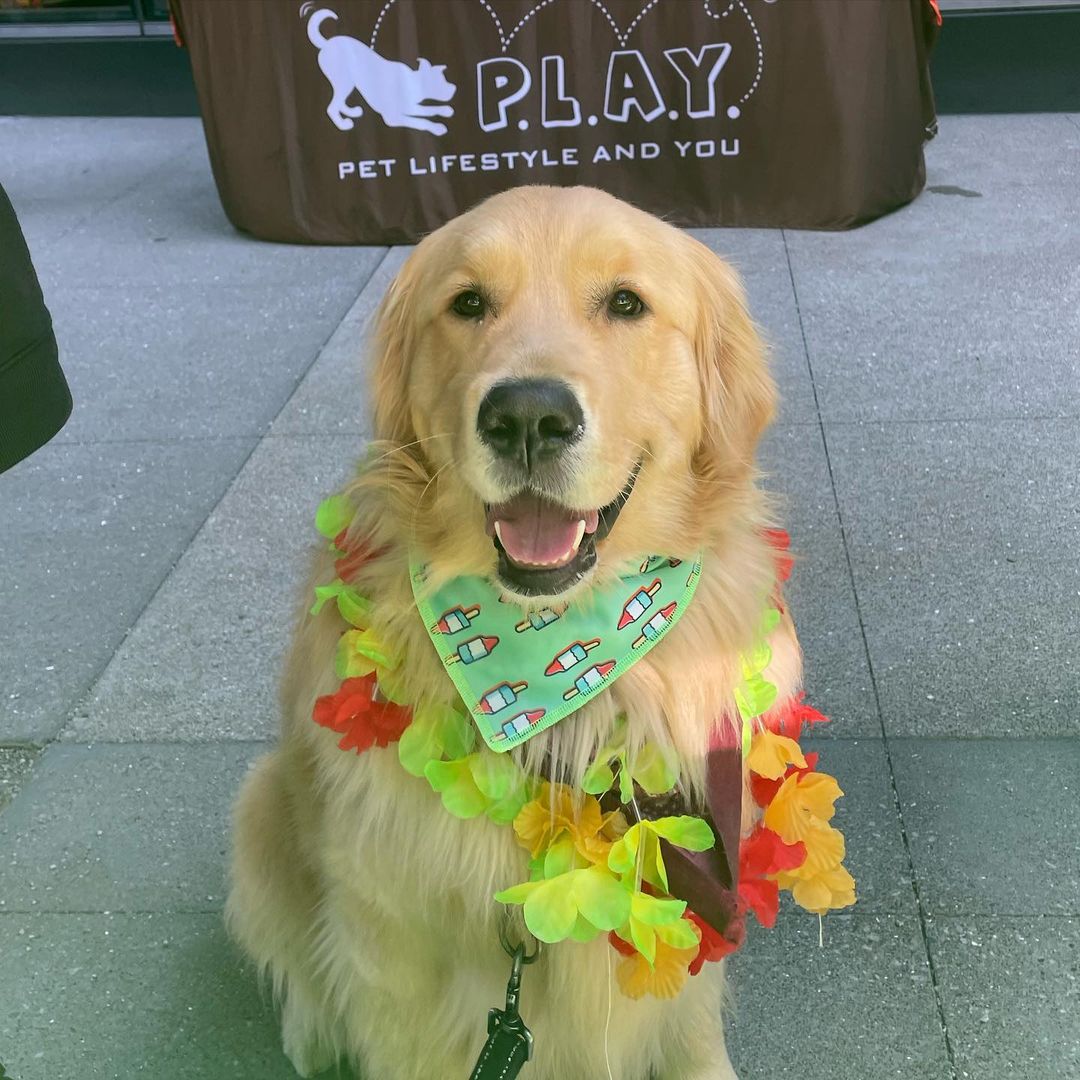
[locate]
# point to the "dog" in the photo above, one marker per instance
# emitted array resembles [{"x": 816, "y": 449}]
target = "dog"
[
  {"x": 558, "y": 348},
  {"x": 394, "y": 90}
]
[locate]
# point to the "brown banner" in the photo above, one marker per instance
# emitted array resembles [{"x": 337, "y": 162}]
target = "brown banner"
[{"x": 374, "y": 121}]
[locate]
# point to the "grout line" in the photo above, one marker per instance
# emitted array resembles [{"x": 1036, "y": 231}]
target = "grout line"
[
  {"x": 179, "y": 440},
  {"x": 143, "y": 181},
  {"x": 247, "y": 740},
  {"x": 95, "y": 678},
  {"x": 149, "y": 441},
  {"x": 1064, "y": 916},
  {"x": 901, "y": 420},
  {"x": 822, "y": 740},
  {"x": 113, "y": 911},
  {"x": 898, "y": 806}
]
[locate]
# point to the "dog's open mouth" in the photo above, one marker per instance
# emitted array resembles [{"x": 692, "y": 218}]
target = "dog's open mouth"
[{"x": 545, "y": 547}]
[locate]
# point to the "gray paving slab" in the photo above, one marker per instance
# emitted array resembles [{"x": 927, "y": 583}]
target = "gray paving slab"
[
  {"x": 172, "y": 231},
  {"x": 1010, "y": 989},
  {"x": 960, "y": 489},
  {"x": 332, "y": 399},
  {"x": 86, "y": 535},
  {"x": 213, "y": 360},
  {"x": 15, "y": 765},
  {"x": 973, "y": 646},
  {"x": 820, "y": 593},
  {"x": 760, "y": 257},
  {"x": 953, "y": 307},
  {"x": 203, "y": 661},
  {"x": 76, "y": 159},
  {"x": 867, "y": 817},
  {"x": 122, "y": 828},
  {"x": 994, "y": 825},
  {"x": 862, "y": 1006},
  {"x": 108, "y": 997},
  {"x": 986, "y": 149}
]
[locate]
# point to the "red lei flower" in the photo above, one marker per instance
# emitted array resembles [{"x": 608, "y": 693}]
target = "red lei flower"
[{"x": 357, "y": 712}]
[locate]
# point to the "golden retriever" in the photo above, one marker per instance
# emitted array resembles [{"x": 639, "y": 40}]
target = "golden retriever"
[{"x": 371, "y": 907}]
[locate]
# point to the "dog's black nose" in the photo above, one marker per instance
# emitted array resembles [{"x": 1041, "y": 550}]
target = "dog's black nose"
[{"x": 530, "y": 419}]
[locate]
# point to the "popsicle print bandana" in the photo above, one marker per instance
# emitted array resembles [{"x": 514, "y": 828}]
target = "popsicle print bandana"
[{"x": 518, "y": 673}]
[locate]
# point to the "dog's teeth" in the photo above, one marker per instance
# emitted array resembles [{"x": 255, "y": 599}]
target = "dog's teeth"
[
  {"x": 578, "y": 538},
  {"x": 498, "y": 530}
]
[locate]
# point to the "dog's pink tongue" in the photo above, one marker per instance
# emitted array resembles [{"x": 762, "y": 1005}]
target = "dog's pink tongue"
[{"x": 535, "y": 531}]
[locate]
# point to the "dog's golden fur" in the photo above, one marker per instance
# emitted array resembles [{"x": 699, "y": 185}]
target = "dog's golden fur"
[{"x": 370, "y": 906}]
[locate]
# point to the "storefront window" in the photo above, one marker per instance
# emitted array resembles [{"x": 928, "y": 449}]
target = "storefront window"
[{"x": 45, "y": 13}]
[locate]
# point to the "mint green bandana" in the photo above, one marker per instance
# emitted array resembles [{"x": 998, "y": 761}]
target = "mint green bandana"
[{"x": 518, "y": 673}]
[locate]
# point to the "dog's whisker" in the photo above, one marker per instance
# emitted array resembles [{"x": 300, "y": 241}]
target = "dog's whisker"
[
  {"x": 420, "y": 498},
  {"x": 643, "y": 449},
  {"x": 405, "y": 446}
]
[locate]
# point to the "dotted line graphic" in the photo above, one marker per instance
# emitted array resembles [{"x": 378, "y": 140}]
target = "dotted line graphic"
[
  {"x": 637, "y": 18},
  {"x": 524, "y": 19},
  {"x": 378, "y": 22},
  {"x": 757, "y": 41},
  {"x": 498, "y": 24},
  {"x": 622, "y": 36}
]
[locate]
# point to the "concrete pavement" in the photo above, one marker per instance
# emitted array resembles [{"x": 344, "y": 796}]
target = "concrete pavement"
[{"x": 928, "y": 449}]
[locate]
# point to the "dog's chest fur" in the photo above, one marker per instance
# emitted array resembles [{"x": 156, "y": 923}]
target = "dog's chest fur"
[{"x": 389, "y": 845}]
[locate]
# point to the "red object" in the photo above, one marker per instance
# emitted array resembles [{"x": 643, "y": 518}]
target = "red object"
[
  {"x": 353, "y": 558},
  {"x": 764, "y": 790},
  {"x": 762, "y": 853},
  {"x": 356, "y": 713},
  {"x": 555, "y": 668},
  {"x": 620, "y": 946},
  {"x": 714, "y": 945},
  {"x": 937, "y": 11},
  {"x": 781, "y": 541},
  {"x": 626, "y": 618},
  {"x": 789, "y": 719}
]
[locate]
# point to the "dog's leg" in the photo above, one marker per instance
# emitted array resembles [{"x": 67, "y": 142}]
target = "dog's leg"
[
  {"x": 702, "y": 1054},
  {"x": 418, "y": 123},
  {"x": 271, "y": 910},
  {"x": 432, "y": 110},
  {"x": 342, "y": 114}
]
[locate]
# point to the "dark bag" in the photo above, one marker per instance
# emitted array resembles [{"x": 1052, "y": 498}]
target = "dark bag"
[
  {"x": 375, "y": 121},
  {"x": 34, "y": 398}
]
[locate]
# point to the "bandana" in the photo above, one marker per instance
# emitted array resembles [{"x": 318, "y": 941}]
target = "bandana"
[{"x": 519, "y": 673}]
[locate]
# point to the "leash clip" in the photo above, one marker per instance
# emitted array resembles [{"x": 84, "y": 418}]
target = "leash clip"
[{"x": 510, "y": 1043}]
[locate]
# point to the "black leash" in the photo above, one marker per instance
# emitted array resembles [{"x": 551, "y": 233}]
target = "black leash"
[{"x": 510, "y": 1042}]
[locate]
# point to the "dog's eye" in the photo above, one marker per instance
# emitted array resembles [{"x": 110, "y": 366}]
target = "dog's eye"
[
  {"x": 469, "y": 305},
  {"x": 625, "y": 304}
]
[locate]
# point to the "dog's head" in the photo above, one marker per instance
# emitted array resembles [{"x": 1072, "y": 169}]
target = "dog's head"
[
  {"x": 576, "y": 385},
  {"x": 434, "y": 82}
]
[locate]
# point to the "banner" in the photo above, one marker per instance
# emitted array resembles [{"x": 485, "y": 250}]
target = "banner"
[{"x": 375, "y": 121}]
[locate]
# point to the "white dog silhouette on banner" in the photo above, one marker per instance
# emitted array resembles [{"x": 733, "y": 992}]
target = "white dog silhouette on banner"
[{"x": 394, "y": 90}]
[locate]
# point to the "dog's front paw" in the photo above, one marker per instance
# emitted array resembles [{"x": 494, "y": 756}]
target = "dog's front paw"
[{"x": 304, "y": 1046}]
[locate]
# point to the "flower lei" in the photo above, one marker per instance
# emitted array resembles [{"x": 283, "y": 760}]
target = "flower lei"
[{"x": 591, "y": 872}]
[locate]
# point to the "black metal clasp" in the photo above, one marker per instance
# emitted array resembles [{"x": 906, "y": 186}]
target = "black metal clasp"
[{"x": 510, "y": 1043}]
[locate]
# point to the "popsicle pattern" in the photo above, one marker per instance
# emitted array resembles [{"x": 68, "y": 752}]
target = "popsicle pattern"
[{"x": 520, "y": 670}]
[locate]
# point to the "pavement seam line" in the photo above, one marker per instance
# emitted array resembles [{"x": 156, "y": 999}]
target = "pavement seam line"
[
  {"x": 142, "y": 182},
  {"x": 95, "y": 678},
  {"x": 897, "y": 805}
]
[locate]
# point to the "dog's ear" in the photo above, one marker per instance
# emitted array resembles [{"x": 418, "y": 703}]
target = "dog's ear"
[
  {"x": 738, "y": 392},
  {"x": 392, "y": 348}
]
